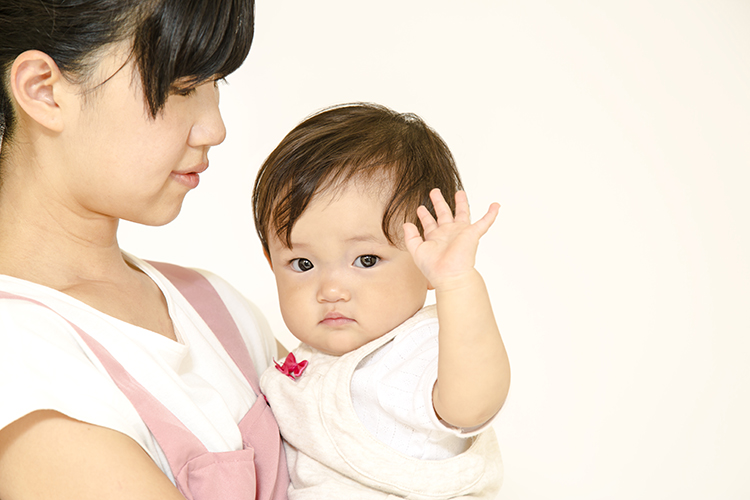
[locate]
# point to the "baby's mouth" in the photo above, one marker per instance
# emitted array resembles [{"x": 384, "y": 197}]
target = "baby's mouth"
[{"x": 336, "y": 319}]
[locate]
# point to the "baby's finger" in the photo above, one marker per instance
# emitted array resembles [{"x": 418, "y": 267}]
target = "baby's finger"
[
  {"x": 462, "y": 207},
  {"x": 442, "y": 209},
  {"x": 412, "y": 239},
  {"x": 425, "y": 217},
  {"x": 483, "y": 224}
]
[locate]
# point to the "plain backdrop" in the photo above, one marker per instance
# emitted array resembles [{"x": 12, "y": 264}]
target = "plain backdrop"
[{"x": 616, "y": 136}]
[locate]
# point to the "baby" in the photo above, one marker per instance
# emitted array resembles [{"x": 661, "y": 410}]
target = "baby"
[{"x": 360, "y": 213}]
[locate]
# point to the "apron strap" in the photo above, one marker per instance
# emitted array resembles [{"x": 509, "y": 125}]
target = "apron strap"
[
  {"x": 162, "y": 423},
  {"x": 180, "y": 446},
  {"x": 208, "y": 304}
]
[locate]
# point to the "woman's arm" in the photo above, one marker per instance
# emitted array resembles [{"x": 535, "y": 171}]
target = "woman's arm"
[
  {"x": 473, "y": 368},
  {"x": 48, "y": 456}
]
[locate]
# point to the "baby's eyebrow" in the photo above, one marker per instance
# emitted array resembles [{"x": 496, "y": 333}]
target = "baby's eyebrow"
[{"x": 367, "y": 238}]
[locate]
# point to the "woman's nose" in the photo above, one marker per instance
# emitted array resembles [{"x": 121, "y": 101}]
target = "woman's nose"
[{"x": 208, "y": 128}]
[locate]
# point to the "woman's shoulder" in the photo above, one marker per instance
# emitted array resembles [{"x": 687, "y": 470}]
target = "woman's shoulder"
[
  {"x": 44, "y": 366},
  {"x": 27, "y": 317},
  {"x": 31, "y": 311}
]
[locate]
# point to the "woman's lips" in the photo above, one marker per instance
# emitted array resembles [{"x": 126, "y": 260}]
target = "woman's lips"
[{"x": 192, "y": 177}]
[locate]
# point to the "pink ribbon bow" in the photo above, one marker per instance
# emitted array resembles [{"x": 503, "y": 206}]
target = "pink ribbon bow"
[{"x": 291, "y": 368}]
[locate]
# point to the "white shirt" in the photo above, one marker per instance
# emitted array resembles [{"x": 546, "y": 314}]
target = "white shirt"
[{"x": 45, "y": 365}]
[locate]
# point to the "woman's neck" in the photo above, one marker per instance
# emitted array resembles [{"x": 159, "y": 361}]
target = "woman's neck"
[
  {"x": 80, "y": 257},
  {"x": 44, "y": 241}
]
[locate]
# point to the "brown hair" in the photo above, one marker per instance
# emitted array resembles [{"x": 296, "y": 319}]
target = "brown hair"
[{"x": 362, "y": 142}]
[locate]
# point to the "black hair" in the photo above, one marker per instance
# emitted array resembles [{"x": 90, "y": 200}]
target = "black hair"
[
  {"x": 396, "y": 152},
  {"x": 185, "y": 41}
]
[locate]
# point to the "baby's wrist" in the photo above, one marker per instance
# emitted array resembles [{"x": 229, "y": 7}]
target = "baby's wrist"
[{"x": 458, "y": 282}]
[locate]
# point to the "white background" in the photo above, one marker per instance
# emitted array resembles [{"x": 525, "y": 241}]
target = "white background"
[{"x": 616, "y": 136}]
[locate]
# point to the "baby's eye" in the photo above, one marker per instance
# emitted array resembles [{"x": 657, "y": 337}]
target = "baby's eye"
[
  {"x": 301, "y": 265},
  {"x": 366, "y": 261}
]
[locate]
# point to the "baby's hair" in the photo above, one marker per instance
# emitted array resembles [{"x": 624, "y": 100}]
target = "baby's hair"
[{"x": 395, "y": 153}]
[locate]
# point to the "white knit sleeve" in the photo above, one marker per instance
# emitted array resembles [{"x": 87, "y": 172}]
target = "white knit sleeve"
[{"x": 392, "y": 396}]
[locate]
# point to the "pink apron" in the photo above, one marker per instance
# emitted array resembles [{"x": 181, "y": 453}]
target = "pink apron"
[{"x": 258, "y": 471}]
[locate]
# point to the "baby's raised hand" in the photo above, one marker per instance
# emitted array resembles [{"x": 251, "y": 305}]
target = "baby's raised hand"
[{"x": 447, "y": 253}]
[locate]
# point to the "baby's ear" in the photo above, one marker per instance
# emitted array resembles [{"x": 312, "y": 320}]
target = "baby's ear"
[{"x": 34, "y": 78}]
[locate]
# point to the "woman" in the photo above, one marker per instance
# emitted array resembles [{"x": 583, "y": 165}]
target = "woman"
[{"x": 108, "y": 109}]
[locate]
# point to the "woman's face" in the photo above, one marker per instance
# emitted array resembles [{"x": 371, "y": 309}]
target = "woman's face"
[{"x": 121, "y": 163}]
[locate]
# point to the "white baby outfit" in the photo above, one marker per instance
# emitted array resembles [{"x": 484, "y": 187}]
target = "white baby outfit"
[{"x": 330, "y": 451}]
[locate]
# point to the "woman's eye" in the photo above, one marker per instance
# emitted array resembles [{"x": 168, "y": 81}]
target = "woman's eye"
[
  {"x": 183, "y": 91},
  {"x": 183, "y": 87},
  {"x": 301, "y": 265},
  {"x": 366, "y": 261}
]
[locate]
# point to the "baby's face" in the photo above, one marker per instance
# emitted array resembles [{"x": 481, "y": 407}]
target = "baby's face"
[{"x": 342, "y": 284}]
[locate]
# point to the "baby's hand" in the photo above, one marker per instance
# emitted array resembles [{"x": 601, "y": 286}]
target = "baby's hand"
[{"x": 447, "y": 253}]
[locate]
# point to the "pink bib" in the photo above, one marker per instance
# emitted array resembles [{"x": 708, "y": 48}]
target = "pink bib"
[{"x": 256, "y": 472}]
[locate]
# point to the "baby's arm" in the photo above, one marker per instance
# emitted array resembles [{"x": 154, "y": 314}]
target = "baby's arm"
[{"x": 473, "y": 367}]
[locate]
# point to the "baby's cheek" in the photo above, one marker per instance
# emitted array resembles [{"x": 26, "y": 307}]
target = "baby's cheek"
[{"x": 289, "y": 304}]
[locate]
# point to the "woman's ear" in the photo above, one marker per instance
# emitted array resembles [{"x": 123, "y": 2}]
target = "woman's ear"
[{"x": 33, "y": 79}]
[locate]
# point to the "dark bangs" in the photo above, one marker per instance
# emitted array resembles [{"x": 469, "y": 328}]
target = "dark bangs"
[{"x": 190, "y": 42}]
